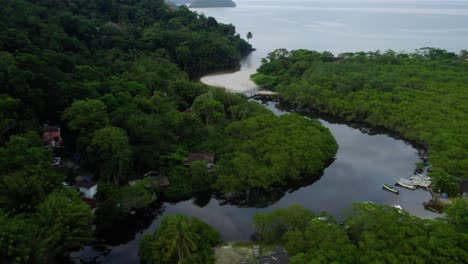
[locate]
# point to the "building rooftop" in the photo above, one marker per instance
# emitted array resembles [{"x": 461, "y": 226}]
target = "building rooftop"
[
  {"x": 85, "y": 183},
  {"x": 208, "y": 157}
]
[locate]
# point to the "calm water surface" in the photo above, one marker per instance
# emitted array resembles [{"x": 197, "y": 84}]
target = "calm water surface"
[
  {"x": 364, "y": 161},
  {"x": 347, "y": 25}
]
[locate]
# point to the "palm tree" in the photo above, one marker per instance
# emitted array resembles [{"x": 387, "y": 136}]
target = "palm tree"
[
  {"x": 249, "y": 35},
  {"x": 179, "y": 237}
]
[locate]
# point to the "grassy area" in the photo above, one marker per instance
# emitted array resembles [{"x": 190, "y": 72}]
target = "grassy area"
[{"x": 234, "y": 253}]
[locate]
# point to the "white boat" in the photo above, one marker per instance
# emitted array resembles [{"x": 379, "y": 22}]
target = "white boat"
[
  {"x": 421, "y": 180},
  {"x": 390, "y": 189},
  {"x": 406, "y": 184},
  {"x": 420, "y": 177}
]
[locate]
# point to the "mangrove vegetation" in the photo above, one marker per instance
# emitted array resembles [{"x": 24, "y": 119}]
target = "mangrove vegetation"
[{"x": 422, "y": 95}]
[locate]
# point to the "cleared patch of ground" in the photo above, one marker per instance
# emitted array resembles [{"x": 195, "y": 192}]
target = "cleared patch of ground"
[{"x": 235, "y": 253}]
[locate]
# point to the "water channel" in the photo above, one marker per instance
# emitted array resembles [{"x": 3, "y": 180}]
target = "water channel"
[{"x": 366, "y": 158}]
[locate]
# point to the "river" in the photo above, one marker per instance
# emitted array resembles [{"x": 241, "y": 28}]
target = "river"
[{"x": 365, "y": 159}]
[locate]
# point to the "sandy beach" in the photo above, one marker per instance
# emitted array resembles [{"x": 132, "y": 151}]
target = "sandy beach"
[{"x": 237, "y": 82}]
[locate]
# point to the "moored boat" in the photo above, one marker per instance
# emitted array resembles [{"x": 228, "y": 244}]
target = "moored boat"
[
  {"x": 390, "y": 189},
  {"x": 406, "y": 184}
]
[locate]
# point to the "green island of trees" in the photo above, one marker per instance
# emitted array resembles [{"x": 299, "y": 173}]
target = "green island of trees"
[
  {"x": 423, "y": 96},
  {"x": 261, "y": 155},
  {"x": 116, "y": 76}
]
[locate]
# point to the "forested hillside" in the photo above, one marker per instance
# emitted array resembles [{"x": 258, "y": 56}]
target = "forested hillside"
[
  {"x": 116, "y": 76},
  {"x": 423, "y": 96},
  {"x": 115, "y": 66}
]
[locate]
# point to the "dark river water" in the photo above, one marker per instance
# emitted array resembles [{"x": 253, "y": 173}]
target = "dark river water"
[{"x": 365, "y": 159}]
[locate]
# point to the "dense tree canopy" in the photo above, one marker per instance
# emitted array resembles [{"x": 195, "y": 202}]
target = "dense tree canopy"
[
  {"x": 421, "y": 95},
  {"x": 370, "y": 234},
  {"x": 26, "y": 174},
  {"x": 262, "y": 155},
  {"x": 110, "y": 153},
  {"x": 38, "y": 220},
  {"x": 62, "y": 222},
  {"x": 273, "y": 225},
  {"x": 116, "y": 76},
  {"x": 56, "y": 52},
  {"x": 457, "y": 214}
]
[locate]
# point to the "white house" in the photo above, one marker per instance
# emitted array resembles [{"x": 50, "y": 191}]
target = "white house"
[{"x": 87, "y": 187}]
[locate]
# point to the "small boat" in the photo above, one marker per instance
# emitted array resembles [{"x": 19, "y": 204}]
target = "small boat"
[
  {"x": 390, "y": 189},
  {"x": 406, "y": 184}
]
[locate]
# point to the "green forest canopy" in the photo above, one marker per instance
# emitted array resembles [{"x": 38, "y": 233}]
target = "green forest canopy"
[
  {"x": 266, "y": 150},
  {"x": 117, "y": 73},
  {"x": 422, "y": 95},
  {"x": 116, "y": 76},
  {"x": 370, "y": 233}
]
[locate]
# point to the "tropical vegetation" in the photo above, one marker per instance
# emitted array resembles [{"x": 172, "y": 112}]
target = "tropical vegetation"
[
  {"x": 369, "y": 233},
  {"x": 262, "y": 156},
  {"x": 117, "y": 77},
  {"x": 422, "y": 95},
  {"x": 179, "y": 239}
]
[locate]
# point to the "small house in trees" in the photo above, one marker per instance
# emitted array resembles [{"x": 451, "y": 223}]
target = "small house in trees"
[
  {"x": 208, "y": 157},
  {"x": 51, "y": 136},
  {"x": 87, "y": 187}
]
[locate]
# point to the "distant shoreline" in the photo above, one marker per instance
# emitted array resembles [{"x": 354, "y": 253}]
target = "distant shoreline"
[{"x": 212, "y": 3}]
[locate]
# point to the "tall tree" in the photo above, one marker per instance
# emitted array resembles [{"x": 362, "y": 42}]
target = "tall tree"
[
  {"x": 111, "y": 154},
  {"x": 249, "y": 35},
  {"x": 86, "y": 116},
  {"x": 179, "y": 239}
]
